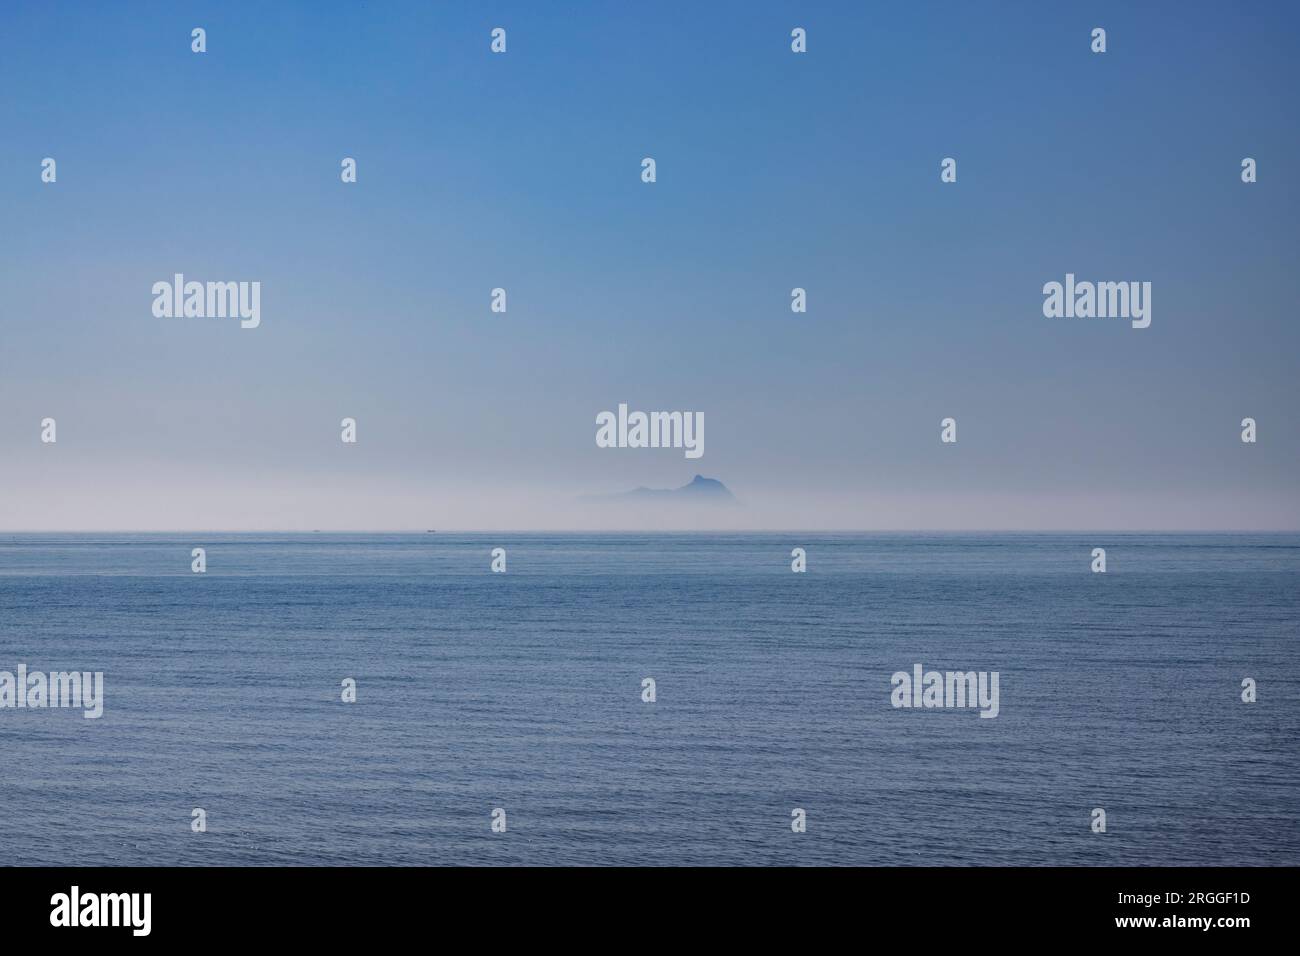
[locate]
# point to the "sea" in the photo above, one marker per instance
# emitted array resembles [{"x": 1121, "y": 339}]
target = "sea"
[{"x": 505, "y": 718}]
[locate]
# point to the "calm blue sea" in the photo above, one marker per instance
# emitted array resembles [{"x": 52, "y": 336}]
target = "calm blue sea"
[{"x": 523, "y": 691}]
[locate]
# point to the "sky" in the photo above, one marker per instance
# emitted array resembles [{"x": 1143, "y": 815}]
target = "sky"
[{"x": 522, "y": 171}]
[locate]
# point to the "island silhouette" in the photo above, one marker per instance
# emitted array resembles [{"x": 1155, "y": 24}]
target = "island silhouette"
[{"x": 698, "y": 490}]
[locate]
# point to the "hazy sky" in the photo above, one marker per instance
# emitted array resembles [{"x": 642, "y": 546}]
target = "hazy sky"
[{"x": 522, "y": 171}]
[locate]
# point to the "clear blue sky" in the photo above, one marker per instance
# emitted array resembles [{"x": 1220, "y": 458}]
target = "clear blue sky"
[{"x": 775, "y": 170}]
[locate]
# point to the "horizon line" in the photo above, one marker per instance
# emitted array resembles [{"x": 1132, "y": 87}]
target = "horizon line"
[{"x": 778, "y": 530}]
